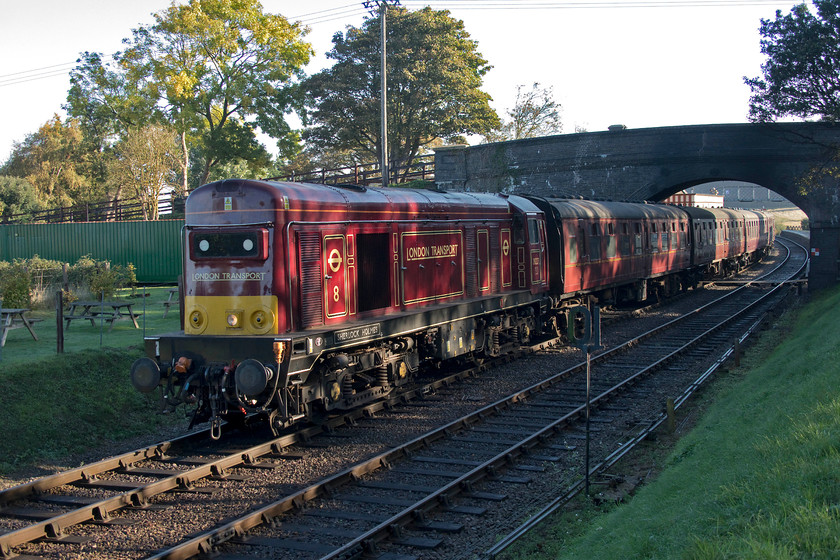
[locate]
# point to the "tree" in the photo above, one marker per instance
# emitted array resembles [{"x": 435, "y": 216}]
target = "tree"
[
  {"x": 535, "y": 113},
  {"x": 801, "y": 76},
  {"x": 17, "y": 196},
  {"x": 146, "y": 161},
  {"x": 54, "y": 162},
  {"x": 434, "y": 74},
  {"x": 221, "y": 68},
  {"x": 106, "y": 105},
  {"x": 103, "y": 99}
]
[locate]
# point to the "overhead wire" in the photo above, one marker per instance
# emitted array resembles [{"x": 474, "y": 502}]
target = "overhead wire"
[
  {"x": 346, "y": 11},
  {"x": 582, "y": 4}
]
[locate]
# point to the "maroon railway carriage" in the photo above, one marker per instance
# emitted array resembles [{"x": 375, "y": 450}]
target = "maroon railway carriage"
[
  {"x": 305, "y": 298},
  {"x": 615, "y": 250},
  {"x": 726, "y": 239}
]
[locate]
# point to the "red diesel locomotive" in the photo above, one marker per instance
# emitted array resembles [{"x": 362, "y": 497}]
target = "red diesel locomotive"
[{"x": 301, "y": 299}]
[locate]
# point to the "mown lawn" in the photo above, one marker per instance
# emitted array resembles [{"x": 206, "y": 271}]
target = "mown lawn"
[
  {"x": 758, "y": 477},
  {"x": 53, "y": 406},
  {"x": 20, "y": 347}
]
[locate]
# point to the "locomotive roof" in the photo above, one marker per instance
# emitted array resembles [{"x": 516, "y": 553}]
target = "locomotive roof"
[
  {"x": 573, "y": 208},
  {"x": 367, "y": 202}
]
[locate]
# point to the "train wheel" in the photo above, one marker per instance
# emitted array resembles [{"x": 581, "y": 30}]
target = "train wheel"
[{"x": 317, "y": 413}]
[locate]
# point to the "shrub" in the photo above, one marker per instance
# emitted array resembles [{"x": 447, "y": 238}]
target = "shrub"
[
  {"x": 35, "y": 281},
  {"x": 15, "y": 285}
]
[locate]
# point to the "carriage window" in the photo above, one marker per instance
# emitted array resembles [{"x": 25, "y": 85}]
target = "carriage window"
[
  {"x": 234, "y": 244},
  {"x": 573, "y": 249},
  {"x": 611, "y": 246}
]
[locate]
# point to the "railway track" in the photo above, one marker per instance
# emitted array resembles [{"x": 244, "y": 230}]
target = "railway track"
[{"x": 409, "y": 498}]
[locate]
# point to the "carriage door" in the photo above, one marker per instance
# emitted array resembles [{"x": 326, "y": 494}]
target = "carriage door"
[
  {"x": 335, "y": 275},
  {"x": 536, "y": 250}
]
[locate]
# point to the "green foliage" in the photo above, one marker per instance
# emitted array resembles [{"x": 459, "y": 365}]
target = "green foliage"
[
  {"x": 54, "y": 162},
  {"x": 801, "y": 76},
  {"x": 15, "y": 283},
  {"x": 99, "y": 278},
  {"x": 223, "y": 68},
  {"x": 434, "y": 77},
  {"x": 17, "y": 196},
  {"x": 146, "y": 161},
  {"x": 28, "y": 282}
]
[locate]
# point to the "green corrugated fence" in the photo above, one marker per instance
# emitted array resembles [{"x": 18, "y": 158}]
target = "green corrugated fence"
[{"x": 153, "y": 247}]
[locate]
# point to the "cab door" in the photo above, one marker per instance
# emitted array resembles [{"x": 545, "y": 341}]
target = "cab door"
[{"x": 334, "y": 264}]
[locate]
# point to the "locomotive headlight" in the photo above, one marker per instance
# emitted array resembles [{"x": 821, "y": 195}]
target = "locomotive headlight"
[
  {"x": 234, "y": 319},
  {"x": 196, "y": 320},
  {"x": 260, "y": 320}
]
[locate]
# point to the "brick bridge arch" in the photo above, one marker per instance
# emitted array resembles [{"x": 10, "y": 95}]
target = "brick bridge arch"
[{"x": 653, "y": 163}]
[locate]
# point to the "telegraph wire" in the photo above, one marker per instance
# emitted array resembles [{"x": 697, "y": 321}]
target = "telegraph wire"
[
  {"x": 350, "y": 10},
  {"x": 578, "y": 4}
]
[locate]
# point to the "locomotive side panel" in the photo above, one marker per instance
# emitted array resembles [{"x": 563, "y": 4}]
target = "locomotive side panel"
[{"x": 432, "y": 265}]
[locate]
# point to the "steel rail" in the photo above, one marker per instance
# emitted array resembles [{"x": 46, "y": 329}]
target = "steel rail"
[
  {"x": 505, "y": 542},
  {"x": 206, "y": 541},
  {"x": 385, "y": 529},
  {"x": 53, "y": 528},
  {"x": 86, "y": 472}
]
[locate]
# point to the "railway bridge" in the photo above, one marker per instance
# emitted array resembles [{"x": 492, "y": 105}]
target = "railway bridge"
[{"x": 800, "y": 161}]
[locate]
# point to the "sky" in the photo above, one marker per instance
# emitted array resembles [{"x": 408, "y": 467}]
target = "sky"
[{"x": 640, "y": 63}]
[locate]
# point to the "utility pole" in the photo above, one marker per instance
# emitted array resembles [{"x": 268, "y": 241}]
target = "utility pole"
[{"x": 382, "y": 6}]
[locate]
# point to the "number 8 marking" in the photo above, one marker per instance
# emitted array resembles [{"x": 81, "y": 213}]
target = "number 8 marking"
[{"x": 335, "y": 293}]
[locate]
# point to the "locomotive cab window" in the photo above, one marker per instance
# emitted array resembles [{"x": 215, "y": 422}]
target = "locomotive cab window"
[
  {"x": 251, "y": 244},
  {"x": 518, "y": 230}
]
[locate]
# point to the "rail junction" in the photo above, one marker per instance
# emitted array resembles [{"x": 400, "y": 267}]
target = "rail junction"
[{"x": 412, "y": 496}]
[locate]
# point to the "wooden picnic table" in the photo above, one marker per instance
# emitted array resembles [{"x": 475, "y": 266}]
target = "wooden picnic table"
[
  {"x": 108, "y": 311},
  {"x": 15, "y": 319},
  {"x": 169, "y": 302}
]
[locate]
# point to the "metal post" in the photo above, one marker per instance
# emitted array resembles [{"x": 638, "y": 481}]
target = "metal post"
[
  {"x": 382, "y": 9},
  {"x": 59, "y": 322},
  {"x": 588, "y": 402},
  {"x": 588, "y": 340},
  {"x": 101, "y": 316}
]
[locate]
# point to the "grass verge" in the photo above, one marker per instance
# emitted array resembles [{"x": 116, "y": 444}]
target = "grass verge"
[
  {"x": 57, "y": 406},
  {"x": 758, "y": 477}
]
